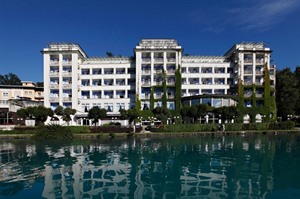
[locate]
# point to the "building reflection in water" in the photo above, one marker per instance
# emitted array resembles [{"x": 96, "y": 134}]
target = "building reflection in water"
[{"x": 213, "y": 167}]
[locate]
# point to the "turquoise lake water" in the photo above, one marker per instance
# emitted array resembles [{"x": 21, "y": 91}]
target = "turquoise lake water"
[{"x": 210, "y": 166}]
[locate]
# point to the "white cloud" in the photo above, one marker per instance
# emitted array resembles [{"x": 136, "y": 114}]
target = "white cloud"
[
  {"x": 264, "y": 14},
  {"x": 258, "y": 15}
]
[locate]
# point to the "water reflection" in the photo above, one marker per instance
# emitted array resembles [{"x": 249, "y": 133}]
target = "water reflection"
[{"x": 199, "y": 167}]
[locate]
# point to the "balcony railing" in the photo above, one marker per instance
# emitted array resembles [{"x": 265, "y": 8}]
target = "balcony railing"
[
  {"x": 54, "y": 85},
  {"x": 259, "y": 95},
  {"x": 158, "y": 83},
  {"x": 67, "y": 85},
  {"x": 259, "y": 61},
  {"x": 145, "y": 71},
  {"x": 171, "y": 71},
  {"x": 67, "y": 74},
  {"x": 146, "y": 59},
  {"x": 53, "y": 99},
  {"x": 248, "y": 60},
  {"x": 96, "y": 97},
  {"x": 248, "y": 72},
  {"x": 158, "y": 59},
  {"x": 54, "y": 62},
  {"x": 158, "y": 71},
  {"x": 157, "y": 96},
  {"x": 65, "y": 62},
  {"x": 143, "y": 96},
  {"x": 171, "y": 96},
  {"x": 171, "y": 83},
  {"x": 171, "y": 59},
  {"x": 53, "y": 74},
  {"x": 145, "y": 83},
  {"x": 67, "y": 99}
]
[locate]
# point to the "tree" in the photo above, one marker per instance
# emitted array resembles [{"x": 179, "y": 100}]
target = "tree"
[
  {"x": 59, "y": 110},
  {"x": 162, "y": 114},
  {"x": 133, "y": 114},
  {"x": 40, "y": 84},
  {"x": 39, "y": 113},
  {"x": 124, "y": 114},
  {"x": 109, "y": 54},
  {"x": 10, "y": 79},
  {"x": 287, "y": 94},
  {"x": 96, "y": 113},
  {"x": 67, "y": 114},
  {"x": 226, "y": 112},
  {"x": 297, "y": 74}
]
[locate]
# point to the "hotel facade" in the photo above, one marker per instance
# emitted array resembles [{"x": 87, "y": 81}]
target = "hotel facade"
[{"x": 151, "y": 76}]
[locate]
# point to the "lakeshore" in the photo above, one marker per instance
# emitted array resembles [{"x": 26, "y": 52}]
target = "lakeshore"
[{"x": 155, "y": 134}]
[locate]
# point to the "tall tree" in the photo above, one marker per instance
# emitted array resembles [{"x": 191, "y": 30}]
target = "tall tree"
[
  {"x": 10, "y": 79},
  {"x": 297, "y": 74},
  {"x": 287, "y": 92}
]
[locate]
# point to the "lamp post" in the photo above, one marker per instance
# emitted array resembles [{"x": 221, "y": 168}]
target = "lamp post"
[
  {"x": 206, "y": 119},
  {"x": 175, "y": 119}
]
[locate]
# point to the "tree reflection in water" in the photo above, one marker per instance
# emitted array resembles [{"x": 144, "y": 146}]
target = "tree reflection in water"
[{"x": 232, "y": 166}]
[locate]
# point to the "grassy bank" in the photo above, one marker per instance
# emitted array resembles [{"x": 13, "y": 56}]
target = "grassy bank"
[{"x": 85, "y": 132}]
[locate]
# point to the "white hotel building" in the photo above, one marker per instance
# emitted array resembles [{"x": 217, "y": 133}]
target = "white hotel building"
[{"x": 72, "y": 79}]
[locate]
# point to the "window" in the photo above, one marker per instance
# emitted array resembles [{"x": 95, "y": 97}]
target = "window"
[
  {"x": 85, "y": 107},
  {"x": 97, "y": 104},
  {"x": 5, "y": 94},
  {"x": 109, "y": 107},
  {"x": 120, "y": 106}
]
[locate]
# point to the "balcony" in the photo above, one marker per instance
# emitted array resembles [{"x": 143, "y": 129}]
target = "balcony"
[
  {"x": 53, "y": 99},
  {"x": 170, "y": 83},
  {"x": 54, "y": 85},
  {"x": 171, "y": 59},
  {"x": 67, "y": 62},
  {"x": 259, "y": 72},
  {"x": 248, "y": 72},
  {"x": 171, "y": 71},
  {"x": 67, "y": 99},
  {"x": 171, "y": 96},
  {"x": 146, "y": 59},
  {"x": 145, "y": 83},
  {"x": 67, "y": 85},
  {"x": 54, "y": 73},
  {"x": 67, "y": 74},
  {"x": 145, "y": 96},
  {"x": 248, "y": 60},
  {"x": 54, "y": 62},
  {"x": 158, "y": 95},
  {"x": 158, "y": 71},
  {"x": 85, "y": 97},
  {"x": 145, "y": 71},
  {"x": 259, "y": 95},
  {"x": 158, "y": 59},
  {"x": 158, "y": 83},
  {"x": 259, "y": 61}
]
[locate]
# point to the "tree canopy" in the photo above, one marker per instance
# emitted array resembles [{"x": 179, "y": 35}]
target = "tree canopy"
[
  {"x": 10, "y": 79},
  {"x": 96, "y": 113},
  {"x": 287, "y": 92}
]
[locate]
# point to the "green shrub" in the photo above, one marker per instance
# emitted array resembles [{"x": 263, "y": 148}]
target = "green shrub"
[
  {"x": 79, "y": 129},
  {"x": 233, "y": 127},
  {"x": 256, "y": 126},
  {"x": 53, "y": 131},
  {"x": 287, "y": 125},
  {"x": 186, "y": 128}
]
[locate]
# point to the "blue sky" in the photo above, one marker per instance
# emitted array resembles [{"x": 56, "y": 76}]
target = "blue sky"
[{"x": 202, "y": 27}]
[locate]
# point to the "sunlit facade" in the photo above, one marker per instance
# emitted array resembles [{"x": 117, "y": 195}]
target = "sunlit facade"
[{"x": 72, "y": 79}]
